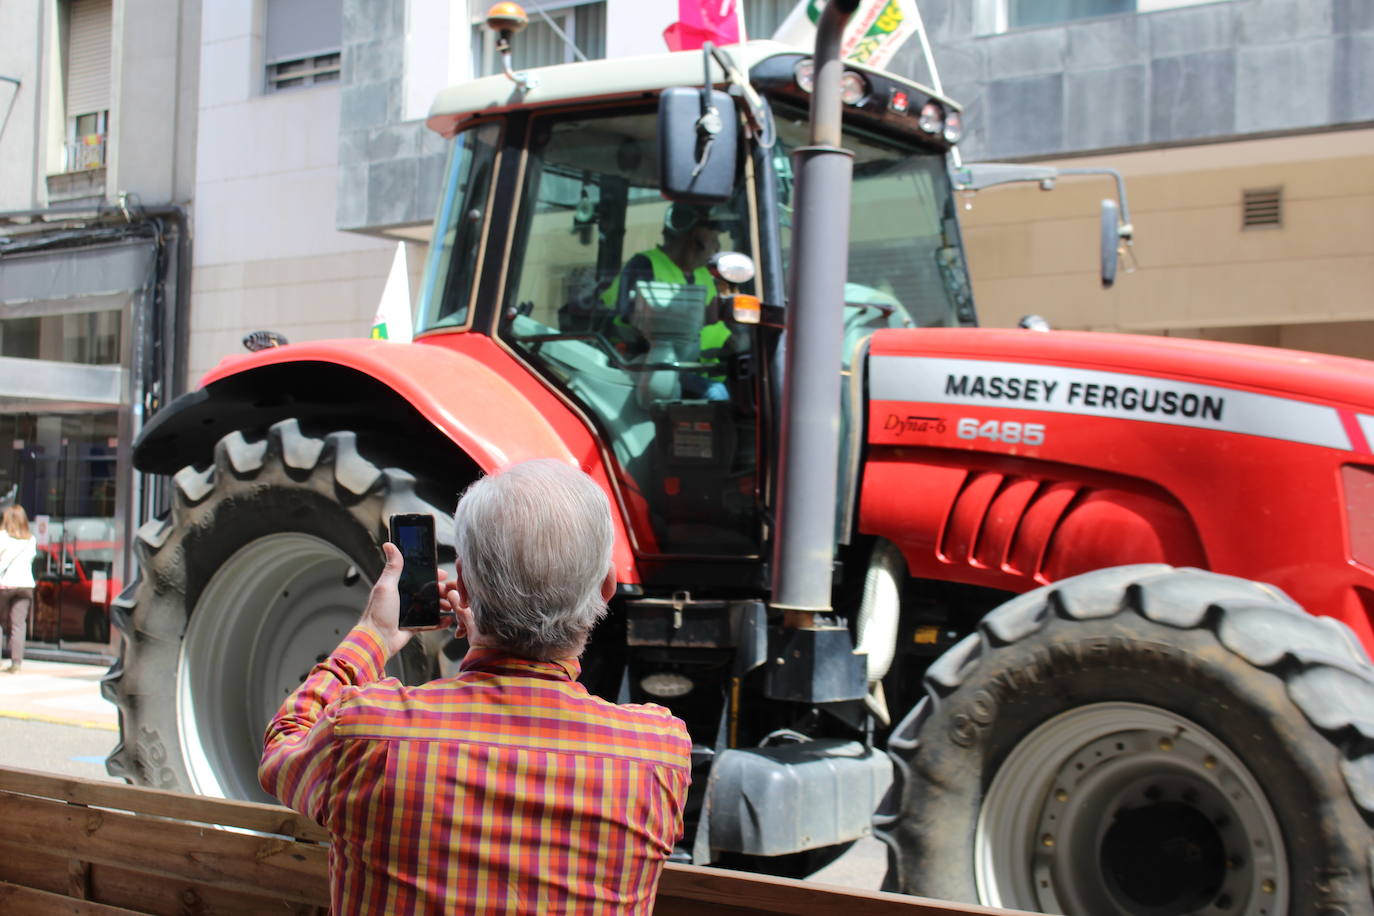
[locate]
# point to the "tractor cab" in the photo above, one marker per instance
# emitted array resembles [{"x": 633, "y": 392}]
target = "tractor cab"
[{"x": 618, "y": 298}]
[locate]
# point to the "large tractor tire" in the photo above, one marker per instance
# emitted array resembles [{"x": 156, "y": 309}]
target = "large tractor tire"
[
  {"x": 1142, "y": 741},
  {"x": 263, "y": 563}
]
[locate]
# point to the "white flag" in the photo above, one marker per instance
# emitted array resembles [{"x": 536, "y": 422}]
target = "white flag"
[
  {"x": 392, "y": 321},
  {"x": 875, "y": 31}
]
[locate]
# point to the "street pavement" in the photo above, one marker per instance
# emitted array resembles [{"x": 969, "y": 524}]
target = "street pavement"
[
  {"x": 54, "y": 720},
  {"x": 59, "y": 693}
]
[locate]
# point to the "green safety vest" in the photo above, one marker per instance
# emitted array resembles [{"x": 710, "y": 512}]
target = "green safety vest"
[{"x": 713, "y": 336}]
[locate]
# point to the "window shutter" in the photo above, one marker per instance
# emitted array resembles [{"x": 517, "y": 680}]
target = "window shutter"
[
  {"x": 88, "y": 56},
  {"x": 302, "y": 28},
  {"x": 762, "y": 17}
]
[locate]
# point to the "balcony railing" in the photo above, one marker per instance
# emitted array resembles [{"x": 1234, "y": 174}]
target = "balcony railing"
[{"x": 86, "y": 152}]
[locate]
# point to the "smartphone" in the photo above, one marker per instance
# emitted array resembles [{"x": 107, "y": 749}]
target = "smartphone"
[{"x": 413, "y": 535}]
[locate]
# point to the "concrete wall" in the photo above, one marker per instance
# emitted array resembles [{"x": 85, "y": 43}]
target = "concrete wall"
[
  {"x": 1212, "y": 70},
  {"x": 1195, "y": 105},
  {"x": 393, "y": 66},
  {"x": 267, "y": 252},
  {"x": 1303, "y": 284},
  {"x": 636, "y": 26},
  {"x": 150, "y": 148},
  {"x": 21, "y": 37},
  {"x": 153, "y": 105},
  {"x": 391, "y": 164}
]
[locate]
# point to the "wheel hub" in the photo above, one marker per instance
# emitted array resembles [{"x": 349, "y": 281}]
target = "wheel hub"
[
  {"x": 277, "y": 607},
  {"x": 1164, "y": 858},
  {"x": 1121, "y": 809}
]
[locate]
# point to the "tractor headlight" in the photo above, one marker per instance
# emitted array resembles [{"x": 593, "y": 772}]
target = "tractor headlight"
[
  {"x": 954, "y": 127},
  {"x": 666, "y": 685},
  {"x": 931, "y": 119}
]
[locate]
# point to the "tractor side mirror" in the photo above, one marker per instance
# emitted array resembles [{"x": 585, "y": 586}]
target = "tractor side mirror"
[
  {"x": 1110, "y": 242},
  {"x": 698, "y": 145}
]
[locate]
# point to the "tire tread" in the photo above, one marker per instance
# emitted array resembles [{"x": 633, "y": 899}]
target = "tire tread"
[
  {"x": 1318, "y": 659},
  {"x": 151, "y": 614}
]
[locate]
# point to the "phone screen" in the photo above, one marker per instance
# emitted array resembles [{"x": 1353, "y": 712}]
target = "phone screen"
[{"x": 413, "y": 535}]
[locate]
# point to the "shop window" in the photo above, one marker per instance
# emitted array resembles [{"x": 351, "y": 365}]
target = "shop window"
[
  {"x": 62, "y": 468},
  {"x": 88, "y": 338}
]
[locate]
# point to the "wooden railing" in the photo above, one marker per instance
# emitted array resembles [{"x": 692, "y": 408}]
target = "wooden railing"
[{"x": 92, "y": 848}]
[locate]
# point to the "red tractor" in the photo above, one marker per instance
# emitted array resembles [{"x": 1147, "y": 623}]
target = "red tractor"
[{"x": 993, "y": 595}]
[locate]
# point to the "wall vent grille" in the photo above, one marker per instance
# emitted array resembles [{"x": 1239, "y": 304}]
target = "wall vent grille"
[{"x": 1261, "y": 207}]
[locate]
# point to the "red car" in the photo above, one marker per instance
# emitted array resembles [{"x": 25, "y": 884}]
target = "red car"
[{"x": 74, "y": 591}]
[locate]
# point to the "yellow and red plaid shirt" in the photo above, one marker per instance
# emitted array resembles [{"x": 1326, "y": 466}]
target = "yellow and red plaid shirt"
[{"x": 505, "y": 789}]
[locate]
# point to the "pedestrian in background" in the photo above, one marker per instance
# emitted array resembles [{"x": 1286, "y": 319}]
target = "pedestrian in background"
[
  {"x": 18, "y": 547},
  {"x": 507, "y": 788}
]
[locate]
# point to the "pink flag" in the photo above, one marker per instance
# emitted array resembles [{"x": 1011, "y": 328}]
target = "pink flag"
[{"x": 700, "y": 21}]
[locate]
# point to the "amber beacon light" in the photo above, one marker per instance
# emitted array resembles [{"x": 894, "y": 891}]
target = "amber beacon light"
[{"x": 505, "y": 19}]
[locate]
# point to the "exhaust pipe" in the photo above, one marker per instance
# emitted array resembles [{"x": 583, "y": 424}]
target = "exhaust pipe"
[{"x": 804, "y": 545}]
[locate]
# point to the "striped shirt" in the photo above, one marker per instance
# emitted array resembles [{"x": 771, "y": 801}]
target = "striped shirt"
[{"x": 506, "y": 789}]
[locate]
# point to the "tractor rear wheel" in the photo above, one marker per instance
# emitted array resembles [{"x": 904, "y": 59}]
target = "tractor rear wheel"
[
  {"x": 1142, "y": 741},
  {"x": 263, "y": 563}
]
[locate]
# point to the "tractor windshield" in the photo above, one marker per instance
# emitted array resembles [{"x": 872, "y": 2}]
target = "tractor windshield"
[
  {"x": 608, "y": 294},
  {"x": 450, "y": 273},
  {"x": 906, "y": 264}
]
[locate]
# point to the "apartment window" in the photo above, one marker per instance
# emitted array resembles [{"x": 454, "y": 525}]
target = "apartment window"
[
  {"x": 87, "y": 64},
  {"x": 1024, "y": 13},
  {"x": 302, "y": 43},
  {"x": 86, "y": 141},
  {"x": 762, "y": 17},
  {"x": 583, "y": 26},
  {"x": 994, "y": 16}
]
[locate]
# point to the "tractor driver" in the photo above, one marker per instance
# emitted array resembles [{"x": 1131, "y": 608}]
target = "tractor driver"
[{"x": 691, "y": 235}]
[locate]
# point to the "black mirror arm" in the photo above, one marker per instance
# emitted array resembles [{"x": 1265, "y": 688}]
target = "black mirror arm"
[
  {"x": 757, "y": 111},
  {"x": 709, "y": 124}
]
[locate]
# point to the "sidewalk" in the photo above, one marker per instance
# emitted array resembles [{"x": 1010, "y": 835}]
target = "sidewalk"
[{"x": 57, "y": 692}]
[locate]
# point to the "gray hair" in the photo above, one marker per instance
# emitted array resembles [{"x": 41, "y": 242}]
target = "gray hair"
[{"x": 535, "y": 544}]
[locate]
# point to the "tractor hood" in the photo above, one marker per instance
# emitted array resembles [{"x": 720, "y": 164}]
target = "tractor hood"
[{"x": 1283, "y": 394}]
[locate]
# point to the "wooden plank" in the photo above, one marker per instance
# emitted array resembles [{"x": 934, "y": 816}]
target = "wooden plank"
[
  {"x": 160, "y": 896},
  {"x": 139, "y": 891},
  {"x": 767, "y": 894},
  {"x": 34, "y": 868},
  {"x": 248, "y": 815},
  {"x": 26, "y": 901},
  {"x": 79, "y": 879},
  {"x": 64, "y": 839},
  {"x": 172, "y": 849},
  {"x": 679, "y": 906}
]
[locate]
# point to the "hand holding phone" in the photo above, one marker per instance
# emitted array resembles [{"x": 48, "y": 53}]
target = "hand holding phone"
[{"x": 413, "y": 535}]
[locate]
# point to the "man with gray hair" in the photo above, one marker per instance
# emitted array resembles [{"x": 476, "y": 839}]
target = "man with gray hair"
[{"x": 507, "y": 788}]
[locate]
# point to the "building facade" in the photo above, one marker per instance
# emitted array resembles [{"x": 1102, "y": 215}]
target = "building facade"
[
  {"x": 1245, "y": 131},
  {"x": 1244, "y": 128},
  {"x": 175, "y": 175},
  {"x": 97, "y": 131},
  {"x": 268, "y": 252}
]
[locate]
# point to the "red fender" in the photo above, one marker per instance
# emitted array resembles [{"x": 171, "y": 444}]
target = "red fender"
[
  {"x": 1014, "y": 458},
  {"x": 476, "y": 393}
]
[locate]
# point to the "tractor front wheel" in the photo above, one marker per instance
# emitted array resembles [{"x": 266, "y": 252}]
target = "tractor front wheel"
[
  {"x": 1142, "y": 741},
  {"x": 262, "y": 565}
]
